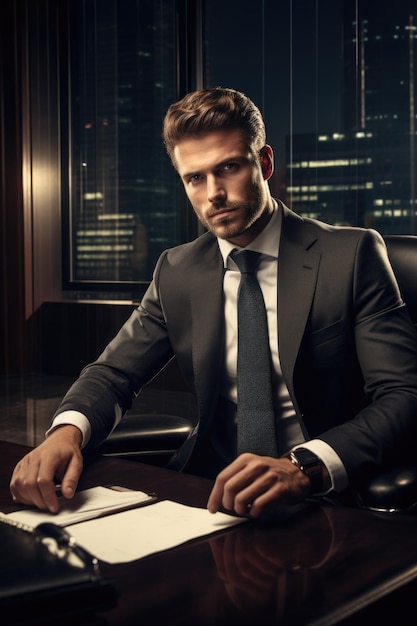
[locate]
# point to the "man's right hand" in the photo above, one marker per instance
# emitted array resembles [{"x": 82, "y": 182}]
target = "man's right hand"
[{"x": 57, "y": 459}]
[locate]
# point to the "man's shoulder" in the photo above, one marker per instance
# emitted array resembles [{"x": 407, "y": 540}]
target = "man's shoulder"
[
  {"x": 345, "y": 237},
  {"x": 316, "y": 230},
  {"x": 207, "y": 239},
  {"x": 192, "y": 255}
]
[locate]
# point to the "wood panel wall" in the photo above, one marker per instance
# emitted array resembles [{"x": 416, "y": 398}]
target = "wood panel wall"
[{"x": 12, "y": 271}]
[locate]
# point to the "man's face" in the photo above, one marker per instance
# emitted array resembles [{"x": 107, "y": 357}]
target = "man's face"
[{"x": 226, "y": 184}]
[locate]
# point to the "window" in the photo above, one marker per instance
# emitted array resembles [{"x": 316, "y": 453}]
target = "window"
[
  {"x": 123, "y": 200},
  {"x": 336, "y": 82}
]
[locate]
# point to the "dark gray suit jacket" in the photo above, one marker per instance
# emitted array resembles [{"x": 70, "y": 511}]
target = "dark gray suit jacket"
[{"x": 347, "y": 348}]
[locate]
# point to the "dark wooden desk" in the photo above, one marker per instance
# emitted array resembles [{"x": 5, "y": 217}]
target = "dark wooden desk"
[{"x": 327, "y": 566}]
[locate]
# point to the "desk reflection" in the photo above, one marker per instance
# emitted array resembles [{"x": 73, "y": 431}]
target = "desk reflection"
[{"x": 276, "y": 573}]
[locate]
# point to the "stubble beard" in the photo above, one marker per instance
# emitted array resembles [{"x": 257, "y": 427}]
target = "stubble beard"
[
  {"x": 228, "y": 227},
  {"x": 249, "y": 212}
]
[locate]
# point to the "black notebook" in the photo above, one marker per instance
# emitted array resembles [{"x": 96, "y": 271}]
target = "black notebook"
[{"x": 45, "y": 577}]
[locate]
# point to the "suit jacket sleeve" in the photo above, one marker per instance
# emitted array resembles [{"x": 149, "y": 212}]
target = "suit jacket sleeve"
[
  {"x": 362, "y": 351},
  {"x": 137, "y": 353}
]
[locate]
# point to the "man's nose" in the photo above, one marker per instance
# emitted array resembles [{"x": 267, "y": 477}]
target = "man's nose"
[{"x": 215, "y": 189}]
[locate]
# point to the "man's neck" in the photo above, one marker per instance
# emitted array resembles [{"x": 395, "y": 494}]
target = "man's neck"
[
  {"x": 267, "y": 242},
  {"x": 257, "y": 227}
]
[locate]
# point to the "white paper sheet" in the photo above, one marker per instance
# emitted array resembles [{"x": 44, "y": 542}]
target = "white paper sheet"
[
  {"x": 85, "y": 505},
  {"x": 133, "y": 534}
]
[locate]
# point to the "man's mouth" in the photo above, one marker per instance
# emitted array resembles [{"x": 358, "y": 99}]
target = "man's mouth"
[{"x": 220, "y": 213}]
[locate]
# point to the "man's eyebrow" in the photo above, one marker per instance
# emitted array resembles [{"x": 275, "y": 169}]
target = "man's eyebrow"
[
  {"x": 217, "y": 165},
  {"x": 190, "y": 174}
]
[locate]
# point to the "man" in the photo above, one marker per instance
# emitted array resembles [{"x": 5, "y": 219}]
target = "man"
[{"x": 343, "y": 349}]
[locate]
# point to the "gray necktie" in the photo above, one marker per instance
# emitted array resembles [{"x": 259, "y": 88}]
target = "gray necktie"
[{"x": 255, "y": 408}]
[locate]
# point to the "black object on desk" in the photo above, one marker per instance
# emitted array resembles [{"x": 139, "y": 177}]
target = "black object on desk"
[{"x": 45, "y": 577}]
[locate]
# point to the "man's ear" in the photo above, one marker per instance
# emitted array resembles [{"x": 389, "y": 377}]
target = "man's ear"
[{"x": 267, "y": 161}]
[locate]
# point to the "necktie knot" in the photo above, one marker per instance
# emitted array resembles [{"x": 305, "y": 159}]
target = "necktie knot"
[{"x": 246, "y": 260}]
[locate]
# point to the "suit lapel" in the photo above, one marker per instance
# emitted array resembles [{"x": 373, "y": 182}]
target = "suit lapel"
[
  {"x": 297, "y": 275},
  {"x": 207, "y": 318}
]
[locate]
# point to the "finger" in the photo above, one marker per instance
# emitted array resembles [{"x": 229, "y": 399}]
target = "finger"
[
  {"x": 253, "y": 495},
  {"x": 214, "y": 502},
  {"x": 221, "y": 496},
  {"x": 71, "y": 477},
  {"x": 30, "y": 484},
  {"x": 273, "y": 500},
  {"x": 46, "y": 483},
  {"x": 215, "y": 498},
  {"x": 19, "y": 487},
  {"x": 47, "y": 491},
  {"x": 218, "y": 498},
  {"x": 241, "y": 490},
  {"x": 265, "y": 484}
]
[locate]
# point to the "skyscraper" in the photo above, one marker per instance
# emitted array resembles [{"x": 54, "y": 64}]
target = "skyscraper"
[
  {"x": 123, "y": 188},
  {"x": 365, "y": 175}
]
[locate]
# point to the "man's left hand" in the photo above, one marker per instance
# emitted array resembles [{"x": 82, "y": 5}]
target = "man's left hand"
[{"x": 253, "y": 485}]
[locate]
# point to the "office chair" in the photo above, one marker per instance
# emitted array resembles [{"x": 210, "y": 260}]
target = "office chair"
[
  {"x": 149, "y": 438},
  {"x": 396, "y": 490},
  {"x": 154, "y": 437}
]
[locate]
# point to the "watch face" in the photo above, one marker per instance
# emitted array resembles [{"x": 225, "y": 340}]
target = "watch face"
[
  {"x": 305, "y": 458},
  {"x": 311, "y": 465}
]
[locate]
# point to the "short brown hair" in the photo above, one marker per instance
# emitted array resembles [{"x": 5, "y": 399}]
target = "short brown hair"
[{"x": 213, "y": 109}]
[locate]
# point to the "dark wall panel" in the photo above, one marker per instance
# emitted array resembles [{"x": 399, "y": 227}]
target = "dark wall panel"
[
  {"x": 12, "y": 287},
  {"x": 65, "y": 336}
]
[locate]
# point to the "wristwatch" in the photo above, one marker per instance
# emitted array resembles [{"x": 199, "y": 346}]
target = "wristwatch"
[{"x": 311, "y": 465}]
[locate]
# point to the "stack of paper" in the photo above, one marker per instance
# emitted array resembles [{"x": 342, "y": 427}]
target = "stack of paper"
[
  {"x": 138, "y": 533},
  {"x": 85, "y": 505},
  {"x": 121, "y": 535}
]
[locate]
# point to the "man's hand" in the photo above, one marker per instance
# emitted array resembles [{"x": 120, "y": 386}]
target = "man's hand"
[
  {"x": 254, "y": 484},
  {"x": 58, "y": 458}
]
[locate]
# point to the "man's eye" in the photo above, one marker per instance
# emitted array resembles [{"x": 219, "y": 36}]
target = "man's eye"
[
  {"x": 230, "y": 167},
  {"x": 196, "y": 178}
]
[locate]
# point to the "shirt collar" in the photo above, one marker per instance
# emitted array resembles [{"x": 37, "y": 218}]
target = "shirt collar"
[{"x": 267, "y": 242}]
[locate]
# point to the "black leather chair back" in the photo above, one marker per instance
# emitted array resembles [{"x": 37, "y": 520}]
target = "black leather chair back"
[
  {"x": 402, "y": 252},
  {"x": 396, "y": 490}
]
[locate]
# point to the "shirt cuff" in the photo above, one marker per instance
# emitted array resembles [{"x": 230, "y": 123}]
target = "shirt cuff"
[
  {"x": 73, "y": 418},
  {"x": 331, "y": 460}
]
